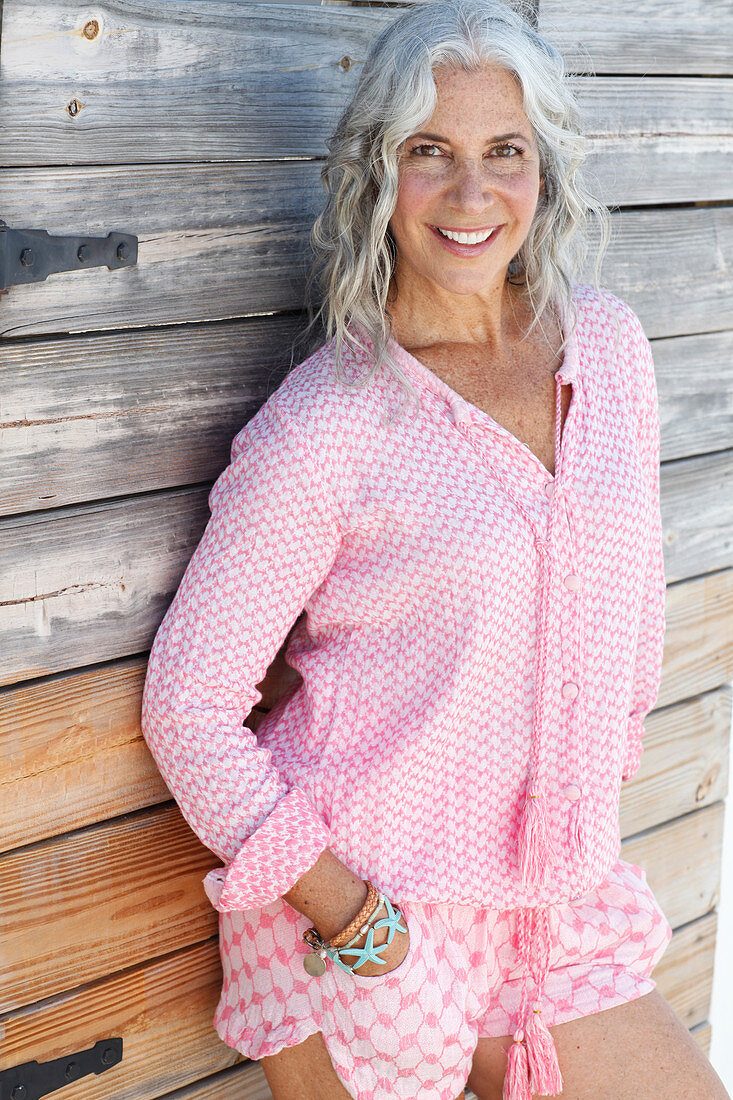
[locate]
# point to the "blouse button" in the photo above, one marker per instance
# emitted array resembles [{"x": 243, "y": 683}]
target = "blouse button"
[
  {"x": 569, "y": 690},
  {"x": 572, "y": 582},
  {"x": 549, "y": 488},
  {"x": 571, "y": 792}
]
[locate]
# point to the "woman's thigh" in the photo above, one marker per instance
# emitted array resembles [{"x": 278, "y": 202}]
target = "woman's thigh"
[
  {"x": 640, "y": 1050},
  {"x": 304, "y": 1072}
]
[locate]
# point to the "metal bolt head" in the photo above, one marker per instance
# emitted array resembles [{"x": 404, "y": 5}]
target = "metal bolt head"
[
  {"x": 122, "y": 250},
  {"x": 83, "y": 253},
  {"x": 27, "y": 257},
  {"x": 72, "y": 1070},
  {"x": 19, "y": 1092},
  {"x": 108, "y": 1056}
]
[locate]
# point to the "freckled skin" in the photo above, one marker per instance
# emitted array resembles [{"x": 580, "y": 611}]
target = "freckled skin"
[{"x": 468, "y": 181}]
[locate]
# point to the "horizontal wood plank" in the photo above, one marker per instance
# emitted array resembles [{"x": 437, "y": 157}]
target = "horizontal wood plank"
[
  {"x": 697, "y": 515},
  {"x": 153, "y": 111},
  {"x": 107, "y": 415},
  {"x": 682, "y": 862},
  {"x": 72, "y": 753},
  {"x": 695, "y": 385},
  {"x": 698, "y": 640},
  {"x": 91, "y": 583},
  {"x": 242, "y": 249},
  {"x": 245, "y": 1081},
  {"x": 659, "y": 36},
  {"x": 115, "y": 894},
  {"x": 684, "y": 974},
  {"x": 100, "y": 900},
  {"x": 684, "y": 764},
  {"x": 105, "y": 577},
  {"x": 163, "y": 1011}
]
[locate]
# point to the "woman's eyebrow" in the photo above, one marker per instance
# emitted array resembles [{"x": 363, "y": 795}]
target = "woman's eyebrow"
[{"x": 446, "y": 141}]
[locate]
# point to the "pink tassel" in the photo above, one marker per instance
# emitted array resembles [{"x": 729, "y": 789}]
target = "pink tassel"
[
  {"x": 516, "y": 1078},
  {"x": 544, "y": 1070},
  {"x": 535, "y": 848}
]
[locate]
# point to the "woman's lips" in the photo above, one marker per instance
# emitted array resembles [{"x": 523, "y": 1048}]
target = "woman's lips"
[{"x": 466, "y": 249}]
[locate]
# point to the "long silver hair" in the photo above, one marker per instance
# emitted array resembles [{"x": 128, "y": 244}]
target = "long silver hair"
[{"x": 353, "y": 250}]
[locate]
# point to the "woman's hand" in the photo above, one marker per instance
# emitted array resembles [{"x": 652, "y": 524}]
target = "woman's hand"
[{"x": 392, "y": 955}]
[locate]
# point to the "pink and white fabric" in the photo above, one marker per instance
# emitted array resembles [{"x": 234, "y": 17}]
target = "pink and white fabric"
[
  {"x": 480, "y": 646},
  {"x": 413, "y": 1031}
]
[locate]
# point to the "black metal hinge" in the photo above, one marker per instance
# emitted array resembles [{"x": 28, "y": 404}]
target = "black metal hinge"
[
  {"x": 31, "y": 255},
  {"x": 35, "y": 1079}
]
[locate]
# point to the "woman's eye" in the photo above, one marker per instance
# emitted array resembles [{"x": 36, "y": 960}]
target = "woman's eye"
[
  {"x": 417, "y": 148},
  {"x": 514, "y": 148}
]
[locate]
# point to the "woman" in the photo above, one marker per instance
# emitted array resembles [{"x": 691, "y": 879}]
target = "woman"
[{"x": 422, "y": 883}]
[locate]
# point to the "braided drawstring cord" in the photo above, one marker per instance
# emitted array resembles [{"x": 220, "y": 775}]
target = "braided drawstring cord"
[{"x": 532, "y": 1066}]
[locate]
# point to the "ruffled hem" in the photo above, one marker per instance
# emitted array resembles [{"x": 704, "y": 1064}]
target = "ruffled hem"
[{"x": 253, "y": 1044}]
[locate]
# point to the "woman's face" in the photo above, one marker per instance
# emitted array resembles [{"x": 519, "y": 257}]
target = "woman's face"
[{"x": 474, "y": 167}]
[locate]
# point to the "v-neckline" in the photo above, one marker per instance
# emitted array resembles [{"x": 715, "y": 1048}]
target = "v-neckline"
[{"x": 464, "y": 410}]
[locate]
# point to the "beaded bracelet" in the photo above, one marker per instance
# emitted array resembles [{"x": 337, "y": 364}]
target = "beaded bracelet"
[{"x": 314, "y": 962}]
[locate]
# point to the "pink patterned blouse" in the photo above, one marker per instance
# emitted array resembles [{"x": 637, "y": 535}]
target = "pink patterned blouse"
[{"x": 481, "y": 644}]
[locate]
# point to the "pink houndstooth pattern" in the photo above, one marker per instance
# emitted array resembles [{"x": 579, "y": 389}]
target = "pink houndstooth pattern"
[
  {"x": 412, "y": 544},
  {"x": 413, "y": 1031}
]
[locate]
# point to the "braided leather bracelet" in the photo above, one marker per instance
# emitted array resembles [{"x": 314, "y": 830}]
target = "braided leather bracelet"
[
  {"x": 314, "y": 962},
  {"x": 371, "y": 903}
]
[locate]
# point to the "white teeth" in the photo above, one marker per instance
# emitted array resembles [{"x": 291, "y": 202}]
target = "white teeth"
[{"x": 465, "y": 238}]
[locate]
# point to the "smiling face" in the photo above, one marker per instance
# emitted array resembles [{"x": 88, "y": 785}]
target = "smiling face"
[{"x": 475, "y": 168}]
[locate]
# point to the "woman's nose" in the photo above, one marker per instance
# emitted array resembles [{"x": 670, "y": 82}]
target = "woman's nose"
[{"x": 471, "y": 186}]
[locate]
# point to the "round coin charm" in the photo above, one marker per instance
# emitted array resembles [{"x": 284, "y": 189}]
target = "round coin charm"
[{"x": 314, "y": 965}]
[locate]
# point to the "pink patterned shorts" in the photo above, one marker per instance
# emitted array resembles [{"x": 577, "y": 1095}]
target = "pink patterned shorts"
[{"x": 413, "y": 1032}]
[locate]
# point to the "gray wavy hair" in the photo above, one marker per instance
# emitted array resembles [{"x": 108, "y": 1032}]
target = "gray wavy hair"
[{"x": 354, "y": 252}]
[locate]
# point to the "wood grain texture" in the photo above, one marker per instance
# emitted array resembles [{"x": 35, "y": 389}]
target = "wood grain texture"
[
  {"x": 271, "y": 81},
  {"x": 682, "y": 862},
  {"x": 684, "y": 974},
  {"x": 698, "y": 641},
  {"x": 658, "y": 36},
  {"x": 697, "y": 515},
  {"x": 91, "y": 583},
  {"x": 684, "y": 764},
  {"x": 162, "y": 1010},
  {"x": 100, "y": 900},
  {"x": 242, "y": 249},
  {"x": 245, "y": 1081},
  {"x": 72, "y": 754},
  {"x": 101, "y": 416},
  {"x": 107, "y": 415},
  {"x": 695, "y": 386},
  {"x": 94, "y": 584}
]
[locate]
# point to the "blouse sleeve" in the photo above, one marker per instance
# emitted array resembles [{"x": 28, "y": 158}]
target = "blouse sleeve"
[
  {"x": 272, "y": 537},
  {"x": 648, "y": 665}
]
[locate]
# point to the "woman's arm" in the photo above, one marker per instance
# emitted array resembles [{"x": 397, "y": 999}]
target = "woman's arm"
[
  {"x": 273, "y": 535},
  {"x": 648, "y": 665}
]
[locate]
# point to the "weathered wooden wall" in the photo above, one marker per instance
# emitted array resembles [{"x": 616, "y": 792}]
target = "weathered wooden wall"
[{"x": 203, "y": 133}]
